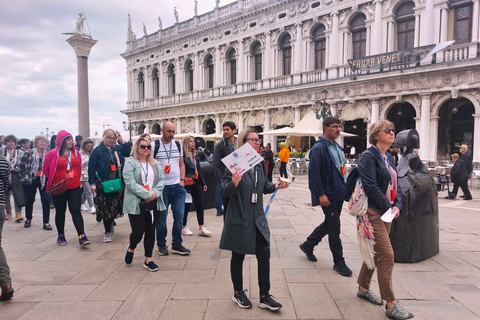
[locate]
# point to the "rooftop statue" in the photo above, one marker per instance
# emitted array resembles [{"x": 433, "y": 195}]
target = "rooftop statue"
[
  {"x": 80, "y": 21},
  {"x": 175, "y": 12}
]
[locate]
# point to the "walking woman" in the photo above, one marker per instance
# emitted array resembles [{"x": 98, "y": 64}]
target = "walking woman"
[
  {"x": 377, "y": 171},
  {"x": 193, "y": 175},
  {"x": 106, "y": 163},
  {"x": 246, "y": 229},
  {"x": 63, "y": 167},
  {"x": 5, "y": 280},
  {"x": 85, "y": 151},
  {"x": 144, "y": 182},
  {"x": 13, "y": 155},
  {"x": 33, "y": 178}
]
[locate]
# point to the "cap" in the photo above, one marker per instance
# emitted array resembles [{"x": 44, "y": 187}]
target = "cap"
[
  {"x": 79, "y": 137},
  {"x": 282, "y": 143}
]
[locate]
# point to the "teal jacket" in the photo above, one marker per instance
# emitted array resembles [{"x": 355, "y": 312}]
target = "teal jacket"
[{"x": 134, "y": 190}]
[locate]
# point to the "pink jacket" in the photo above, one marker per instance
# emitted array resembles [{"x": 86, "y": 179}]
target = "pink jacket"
[{"x": 51, "y": 158}]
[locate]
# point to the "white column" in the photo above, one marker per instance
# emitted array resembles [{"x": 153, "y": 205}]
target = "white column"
[
  {"x": 417, "y": 29},
  {"x": 433, "y": 138},
  {"x": 147, "y": 83},
  {"x": 427, "y": 24},
  {"x": 218, "y": 125},
  {"x": 267, "y": 138},
  {"x": 391, "y": 36},
  {"x": 377, "y": 34},
  {"x": 375, "y": 111},
  {"x": 129, "y": 86},
  {"x": 197, "y": 124},
  {"x": 368, "y": 39},
  {"x": 164, "y": 84},
  {"x": 334, "y": 40},
  {"x": 218, "y": 68},
  {"x": 268, "y": 68},
  {"x": 196, "y": 73},
  {"x": 241, "y": 62},
  {"x": 476, "y": 140},
  {"x": 475, "y": 21},
  {"x": 425, "y": 127},
  {"x": 444, "y": 24},
  {"x": 297, "y": 114},
  {"x": 178, "y": 126},
  {"x": 298, "y": 50},
  {"x": 240, "y": 121}
]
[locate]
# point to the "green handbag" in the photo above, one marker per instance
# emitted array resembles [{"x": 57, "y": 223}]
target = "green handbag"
[{"x": 112, "y": 186}]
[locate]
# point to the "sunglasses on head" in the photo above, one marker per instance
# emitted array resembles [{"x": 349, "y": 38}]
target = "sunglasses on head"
[{"x": 145, "y": 147}]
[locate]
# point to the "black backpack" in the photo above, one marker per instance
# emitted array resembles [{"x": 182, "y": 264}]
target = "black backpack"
[
  {"x": 157, "y": 147},
  {"x": 350, "y": 184}
]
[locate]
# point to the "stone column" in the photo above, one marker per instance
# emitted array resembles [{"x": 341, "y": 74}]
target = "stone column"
[
  {"x": 298, "y": 50},
  {"x": 433, "y": 138},
  {"x": 476, "y": 135},
  {"x": 428, "y": 19},
  {"x": 241, "y": 62},
  {"x": 147, "y": 83},
  {"x": 218, "y": 124},
  {"x": 377, "y": 43},
  {"x": 334, "y": 40},
  {"x": 197, "y": 125},
  {"x": 391, "y": 35},
  {"x": 416, "y": 40},
  {"x": 425, "y": 127},
  {"x": 268, "y": 69},
  {"x": 82, "y": 46},
  {"x": 475, "y": 21},
  {"x": 240, "y": 121},
  {"x": 375, "y": 111},
  {"x": 218, "y": 68},
  {"x": 178, "y": 126},
  {"x": 267, "y": 138},
  {"x": 130, "y": 80},
  {"x": 444, "y": 24}
]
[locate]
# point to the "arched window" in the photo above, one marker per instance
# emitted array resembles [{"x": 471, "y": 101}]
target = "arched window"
[
  {"x": 155, "y": 83},
  {"x": 405, "y": 19},
  {"x": 257, "y": 60},
  {"x": 320, "y": 43},
  {"x": 359, "y": 36},
  {"x": 232, "y": 66},
  {"x": 210, "y": 71},
  {"x": 141, "y": 86},
  {"x": 189, "y": 75},
  {"x": 286, "y": 48},
  {"x": 463, "y": 14},
  {"x": 171, "y": 79}
]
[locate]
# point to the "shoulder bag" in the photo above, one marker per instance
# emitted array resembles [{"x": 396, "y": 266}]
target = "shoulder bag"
[{"x": 114, "y": 185}]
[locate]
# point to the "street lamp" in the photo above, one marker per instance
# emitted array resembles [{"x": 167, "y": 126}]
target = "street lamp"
[
  {"x": 47, "y": 134},
  {"x": 128, "y": 127},
  {"x": 322, "y": 109}
]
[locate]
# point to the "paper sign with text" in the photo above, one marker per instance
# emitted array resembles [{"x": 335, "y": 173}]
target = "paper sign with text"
[{"x": 242, "y": 159}]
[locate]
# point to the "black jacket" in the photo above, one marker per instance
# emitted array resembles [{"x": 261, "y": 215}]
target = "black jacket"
[
  {"x": 376, "y": 178},
  {"x": 467, "y": 158},
  {"x": 269, "y": 156},
  {"x": 222, "y": 149},
  {"x": 190, "y": 169},
  {"x": 459, "y": 173}
]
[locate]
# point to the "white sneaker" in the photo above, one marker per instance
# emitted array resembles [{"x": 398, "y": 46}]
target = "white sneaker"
[
  {"x": 204, "y": 232},
  {"x": 107, "y": 237},
  {"x": 186, "y": 232},
  {"x": 92, "y": 210},
  {"x": 83, "y": 208}
]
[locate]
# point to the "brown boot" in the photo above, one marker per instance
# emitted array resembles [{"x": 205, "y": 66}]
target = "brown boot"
[
  {"x": 7, "y": 293},
  {"x": 8, "y": 216},
  {"x": 18, "y": 218}
]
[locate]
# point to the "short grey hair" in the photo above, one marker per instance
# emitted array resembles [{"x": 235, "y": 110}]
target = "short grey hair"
[{"x": 464, "y": 146}]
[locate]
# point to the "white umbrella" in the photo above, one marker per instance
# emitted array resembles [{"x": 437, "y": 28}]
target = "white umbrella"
[{"x": 213, "y": 137}]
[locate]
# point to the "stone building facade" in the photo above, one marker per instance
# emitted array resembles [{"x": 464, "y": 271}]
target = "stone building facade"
[{"x": 263, "y": 63}]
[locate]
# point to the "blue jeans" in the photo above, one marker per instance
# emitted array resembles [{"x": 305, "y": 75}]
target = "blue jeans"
[
  {"x": 175, "y": 196},
  {"x": 218, "y": 200}
]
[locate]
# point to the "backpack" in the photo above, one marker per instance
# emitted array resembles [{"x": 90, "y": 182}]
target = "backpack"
[
  {"x": 157, "y": 147},
  {"x": 350, "y": 184}
]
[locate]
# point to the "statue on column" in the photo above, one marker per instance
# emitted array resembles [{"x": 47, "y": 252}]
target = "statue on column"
[
  {"x": 218, "y": 3},
  {"x": 80, "y": 21},
  {"x": 175, "y": 13},
  {"x": 195, "y": 9},
  {"x": 160, "y": 23},
  {"x": 144, "y": 30}
]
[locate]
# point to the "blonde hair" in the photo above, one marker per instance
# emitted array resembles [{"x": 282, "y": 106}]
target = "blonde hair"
[
  {"x": 84, "y": 145},
  {"x": 186, "y": 148},
  {"x": 106, "y": 133},
  {"x": 38, "y": 138},
  {"x": 455, "y": 156},
  {"x": 376, "y": 128},
  {"x": 242, "y": 137},
  {"x": 135, "y": 151},
  {"x": 145, "y": 135}
]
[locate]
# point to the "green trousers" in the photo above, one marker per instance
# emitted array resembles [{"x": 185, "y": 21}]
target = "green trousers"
[{"x": 4, "y": 269}]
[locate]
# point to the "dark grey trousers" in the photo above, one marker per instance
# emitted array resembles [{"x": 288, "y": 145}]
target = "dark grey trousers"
[{"x": 4, "y": 269}]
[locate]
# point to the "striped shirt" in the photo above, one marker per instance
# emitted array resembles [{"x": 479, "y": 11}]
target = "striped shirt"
[
  {"x": 169, "y": 155},
  {"x": 4, "y": 178}
]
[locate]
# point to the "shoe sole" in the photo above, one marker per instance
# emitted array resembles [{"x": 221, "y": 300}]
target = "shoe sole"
[
  {"x": 180, "y": 252},
  {"x": 205, "y": 235},
  {"x": 187, "y": 234},
  {"x": 365, "y": 298},
  {"x": 48, "y": 229},
  {"x": 8, "y": 296},
  {"x": 239, "y": 304},
  {"x": 86, "y": 243},
  {"x": 109, "y": 240},
  {"x": 162, "y": 254},
  {"x": 343, "y": 274},
  {"x": 266, "y": 306},
  {"x": 305, "y": 251},
  {"x": 152, "y": 270},
  {"x": 62, "y": 244}
]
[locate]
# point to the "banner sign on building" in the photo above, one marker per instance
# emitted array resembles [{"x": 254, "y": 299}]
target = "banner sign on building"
[{"x": 390, "y": 59}]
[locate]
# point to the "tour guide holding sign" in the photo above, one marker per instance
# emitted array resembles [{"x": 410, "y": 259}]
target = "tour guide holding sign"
[
  {"x": 246, "y": 229},
  {"x": 168, "y": 152}
]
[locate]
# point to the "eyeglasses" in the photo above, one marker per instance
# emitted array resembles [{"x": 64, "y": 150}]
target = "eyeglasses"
[
  {"x": 387, "y": 131},
  {"x": 336, "y": 127},
  {"x": 142, "y": 146},
  {"x": 255, "y": 140},
  {"x": 112, "y": 138}
]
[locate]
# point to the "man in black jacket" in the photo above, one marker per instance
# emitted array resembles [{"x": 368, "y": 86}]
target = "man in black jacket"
[
  {"x": 270, "y": 161},
  {"x": 467, "y": 158},
  {"x": 459, "y": 176},
  {"x": 223, "y": 149}
]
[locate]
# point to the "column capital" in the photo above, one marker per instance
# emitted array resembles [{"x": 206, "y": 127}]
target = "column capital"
[
  {"x": 375, "y": 2},
  {"x": 425, "y": 96}
]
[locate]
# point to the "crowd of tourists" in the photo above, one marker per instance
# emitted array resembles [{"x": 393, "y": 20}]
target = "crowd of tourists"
[{"x": 143, "y": 180}]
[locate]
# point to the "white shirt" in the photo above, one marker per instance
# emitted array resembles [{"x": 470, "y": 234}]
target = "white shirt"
[{"x": 168, "y": 154}]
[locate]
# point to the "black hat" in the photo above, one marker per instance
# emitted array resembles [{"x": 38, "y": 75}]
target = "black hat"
[{"x": 79, "y": 137}]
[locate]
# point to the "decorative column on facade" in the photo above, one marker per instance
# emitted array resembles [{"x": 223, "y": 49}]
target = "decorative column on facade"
[
  {"x": 267, "y": 116},
  {"x": 196, "y": 76},
  {"x": 416, "y": 37},
  {"x": 368, "y": 39},
  {"x": 268, "y": 54},
  {"x": 218, "y": 67},
  {"x": 476, "y": 141},
  {"x": 130, "y": 82},
  {"x": 391, "y": 34},
  {"x": 334, "y": 39},
  {"x": 433, "y": 138},
  {"x": 428, "y": 19},
  {"x": 444, "y": 24},
  {"x": 178, "y": 125},
  {"x": 241, "y": 63},
  {"x": 375, "y": 110},
  {"x": 240, "y": 121},
  {"x": 297, "y": 65},
  {"x": 425, "y": 127},
  {"x": 180, "y": 77},
  {"x": 197, "y": 125},
  {"x": 377, "y": 44},
  {"x": 147, "y": 82},
  {"x": 297, "y": 115},
  {"x": 218, "y": 124},
  {"x": 475, "y": 18},
  {"x": 164, "y": 82}
]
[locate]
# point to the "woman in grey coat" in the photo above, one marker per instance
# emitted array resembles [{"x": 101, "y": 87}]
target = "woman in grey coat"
[{"x": 246, "y": 228}]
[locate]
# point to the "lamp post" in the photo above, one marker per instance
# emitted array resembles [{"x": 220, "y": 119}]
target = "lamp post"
[
  {"x": 128, "y": 126},
  {"x": 47, "y": 134},
  {"x": 322, "y": 109}
]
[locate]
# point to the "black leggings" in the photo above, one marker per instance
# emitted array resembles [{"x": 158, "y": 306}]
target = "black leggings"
[
  {"x": 262, "y": 251},
  {"x": 73, "y": 198},
  {"x": 107, "y": 223},
  {"x": 142, "y": 224},
  {"x": 283, "y": 170},
  {"x": 196, "y": 192}
]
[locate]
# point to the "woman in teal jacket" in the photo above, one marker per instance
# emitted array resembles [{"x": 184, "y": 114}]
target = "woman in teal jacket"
[{"x": 144, "y": 182}]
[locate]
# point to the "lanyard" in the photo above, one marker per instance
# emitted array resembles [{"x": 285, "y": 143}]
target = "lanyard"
[
  {"x": 268, "y": 205},
  {"x": 256, "y": 178},
  {"x": 386, "y": 158},
  {"x": 338, "y": 154},
  {"x": 145, "y": 172},
  {"x": 168, "y": 153},
  {"x": 69, "y": 159},
  {"x": 40, "y": 161},
  {"x": 193, "y": 161}
]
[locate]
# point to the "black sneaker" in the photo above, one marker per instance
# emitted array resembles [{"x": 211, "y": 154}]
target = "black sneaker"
[
  {"x": 151, "y": 266},
  {"x": 342, "y": 269},
  {"x": 269, "y": 303},
  {"x": 308, "y": 252},
  {"x": 47, "y": 226},
  {"x": 128, "y": 257},
  {"x": 241, "y": 299},
  {"x": 219, "y": 213},
  {"x": 28, "y": 223},
  {"x": 179, "y": 249},
  {"x": 162, "y": 250}
]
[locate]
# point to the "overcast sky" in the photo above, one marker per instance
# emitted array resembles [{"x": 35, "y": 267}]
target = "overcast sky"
[{"x": 38, "y": 68}]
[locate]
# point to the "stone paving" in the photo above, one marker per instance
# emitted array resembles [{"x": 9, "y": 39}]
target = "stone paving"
[{"x": 53, "y": 282}]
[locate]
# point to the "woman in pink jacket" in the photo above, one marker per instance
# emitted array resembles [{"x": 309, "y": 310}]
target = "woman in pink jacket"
[{"x": 63, "y": 169}]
